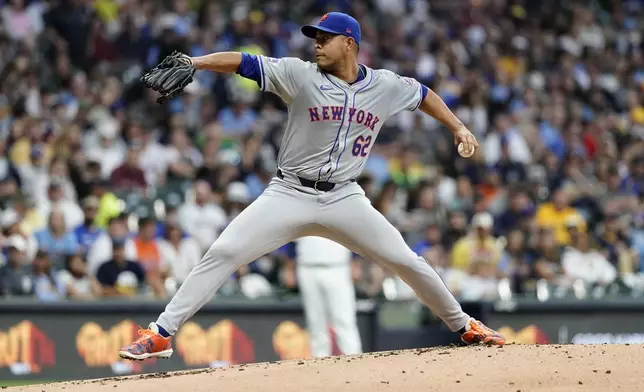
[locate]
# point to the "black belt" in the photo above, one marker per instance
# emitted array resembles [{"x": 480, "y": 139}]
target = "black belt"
[{"x": 323, "y": 186}]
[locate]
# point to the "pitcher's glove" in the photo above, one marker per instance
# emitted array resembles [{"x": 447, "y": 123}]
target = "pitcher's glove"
[{"x": 171, "y": 76}]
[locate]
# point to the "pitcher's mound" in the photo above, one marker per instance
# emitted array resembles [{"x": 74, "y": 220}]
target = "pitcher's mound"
[{"x": 563, "y": 368}]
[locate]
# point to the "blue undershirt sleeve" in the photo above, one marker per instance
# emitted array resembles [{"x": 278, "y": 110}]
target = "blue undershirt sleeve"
[
  {"x": 423, "y": 92},
  {"x": 249, "y": 68}
]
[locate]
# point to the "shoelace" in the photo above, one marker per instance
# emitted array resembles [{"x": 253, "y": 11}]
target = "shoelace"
[
  {"x": 479, "y": 328},
  {"x": 144, "y": 333},
  {"x": 485, "y": 329}
]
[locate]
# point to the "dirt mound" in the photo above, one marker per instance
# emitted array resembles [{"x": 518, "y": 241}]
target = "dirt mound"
[{"x": 511, "y": 368}]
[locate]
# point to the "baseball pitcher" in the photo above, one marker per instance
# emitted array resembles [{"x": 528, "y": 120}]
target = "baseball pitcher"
[{"x": 336, "y": 107}]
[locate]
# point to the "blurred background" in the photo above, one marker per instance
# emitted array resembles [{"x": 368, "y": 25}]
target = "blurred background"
[{"x": 548, "y": 216}]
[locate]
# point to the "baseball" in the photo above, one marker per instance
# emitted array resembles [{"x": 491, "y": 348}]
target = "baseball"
[{"x": 463, "y": 153}]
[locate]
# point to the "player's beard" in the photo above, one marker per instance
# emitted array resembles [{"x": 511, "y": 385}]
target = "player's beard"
[{"x": 326, "y": 66}]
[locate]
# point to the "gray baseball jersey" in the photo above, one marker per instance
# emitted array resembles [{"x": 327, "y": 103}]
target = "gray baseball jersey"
[{"x": 332, "y": 124}]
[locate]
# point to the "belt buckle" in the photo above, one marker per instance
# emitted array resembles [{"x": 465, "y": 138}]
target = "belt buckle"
[{"x": 315, "y": 185}]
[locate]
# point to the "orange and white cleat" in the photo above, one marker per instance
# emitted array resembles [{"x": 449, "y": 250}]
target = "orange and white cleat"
[
  {"x": 477, "y": 333},
  {"x": 151, "y": 344}
]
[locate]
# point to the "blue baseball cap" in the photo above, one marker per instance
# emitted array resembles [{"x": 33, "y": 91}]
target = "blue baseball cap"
[{"x": 335, "y": 23}]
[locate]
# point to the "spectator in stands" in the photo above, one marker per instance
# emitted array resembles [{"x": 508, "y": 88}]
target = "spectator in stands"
[
  {"x": 445, "y": 186},
  {"x": 492, "y": 192},
  {"x": 573, "y": 226},
  {"x": 43, "y": 278},
  {"x": 15, "y": 275},
  {"x": 511, "y": 171},
  {"x": 57, "y": 240},
  {"x": 237, "y": 199},
  {"x": 556, "y": 213},
  {"x": 367, "y": 183},
  {"x": 583, "y": 187},
  {"x": 202, "y": 218},
  {"x": 59, "y": 173},
  {"x": 87, "y": 233},
  {"x": 153, "y": 158},
  {"x": 637, "y": 236},
  {"x": 389, "y": 203},
  {"x": 148, "y": 254},
  {"x": 21, "y": 21},
  {"x": 456, "y": 228},
  {"x": 238, "y": 119},
  {"x": 73, "y": 36},
  {"x": 547, "y": 256},
  {"x": 258, "y": 180},
  {"x": 250, "y": 154},
  {"x": 368, "y": 278},
  {"x": 25, "y": 134},
  {"x": 228, "y": 162},
  {"x": 478, "y": 252},
  {"x": 171, "y": 217},
  {"x": 108, "y": 203},
  {"x": 72, "y": 213},
  {"x": 580, "y": 261},
  {"x": 180, "y": 253},
  {"x": 635, "y": 180},
  {"x": 120, "y": 276},
  {"x": 520, "y": 209},
  {"x": 617, "y": 199},
  {"x": 73, "y": 281},
  {"x": 11, "y": 221},
  {"x": 515, "y": 261},
  {"x": 183, "y": 157},
  {"x": 36, "y": 175},
  {"x": 105, "y": 146},
  {"x": 505, "y": 143},
  {"x": 406, "y": 169},
  {"x": 463, "y": 198},
  {"x": 84, "y": 173},
  {"x": 129, "y": 175},
  {"x": 5, "y": 122},
  {"x": 432, "y": 238},
  {"x": 32, "y": 220},
  {"x": 424, "y": 208},
  {"x": 210, "y": 170},
  {"x": 101, "y": 250},
  {"x": 616, "y": 244},
  {"x": 10, "y": 181},
  {"x": 481, "y": 283}
]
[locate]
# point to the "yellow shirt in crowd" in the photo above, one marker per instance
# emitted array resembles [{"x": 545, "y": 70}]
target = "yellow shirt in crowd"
[
  {"x": 549, "y": 217},
  {"x": 108, "y": 208},
  {"x": 412, "y": 176},
  {"x": 470, "y": 250},
  {"x": 32, "y": 222}
]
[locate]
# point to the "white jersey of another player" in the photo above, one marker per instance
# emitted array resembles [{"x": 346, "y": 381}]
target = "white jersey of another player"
[{"x": 328, "y": 294}]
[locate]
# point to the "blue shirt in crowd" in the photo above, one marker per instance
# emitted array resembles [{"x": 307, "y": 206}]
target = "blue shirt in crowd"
[{"x": 86, "y": 236}]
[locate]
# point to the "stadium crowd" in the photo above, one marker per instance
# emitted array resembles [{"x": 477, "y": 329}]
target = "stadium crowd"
[{"x": 104, "y": 192}]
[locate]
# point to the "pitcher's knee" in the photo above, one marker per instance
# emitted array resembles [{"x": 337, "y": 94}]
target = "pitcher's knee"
[
  {"x": 224, "y": 252},
  {"x": 403, "y": 262}
]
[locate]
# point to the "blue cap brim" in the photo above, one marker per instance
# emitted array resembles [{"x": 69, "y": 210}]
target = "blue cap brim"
[{"x": 310, "y": 30}]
